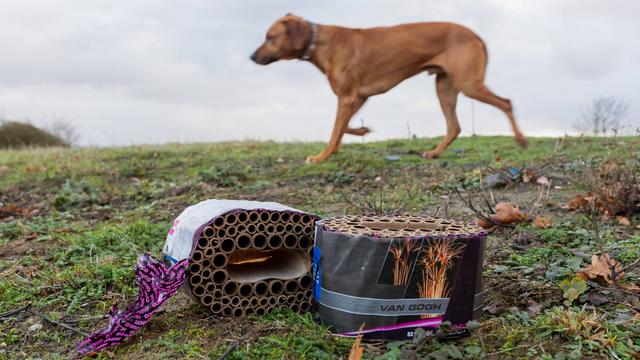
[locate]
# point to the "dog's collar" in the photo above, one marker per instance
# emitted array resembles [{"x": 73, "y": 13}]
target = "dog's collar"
[{"x": 312, "y": 44}]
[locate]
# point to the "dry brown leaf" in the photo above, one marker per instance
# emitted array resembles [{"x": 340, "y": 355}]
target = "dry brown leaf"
[
  {"x": 529, "y": 175},
  {"x": 601, "y": 270},
  {"x": 356, "y": 349},
  {"x": 631, "y": 287},
  {"x": 542, "y": 222},
  {"x": 623, "y": 220},
  {"x": 506, "y": 214}
]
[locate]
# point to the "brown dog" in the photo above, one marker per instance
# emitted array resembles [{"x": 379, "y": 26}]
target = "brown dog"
[{"x": 360, "y": 63}]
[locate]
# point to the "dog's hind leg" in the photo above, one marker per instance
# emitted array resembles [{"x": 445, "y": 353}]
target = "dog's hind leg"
[
  {"x": 448, "y": 96},
  {"x": 478, "y": 91},
  {"x": 347, "y": 107}
]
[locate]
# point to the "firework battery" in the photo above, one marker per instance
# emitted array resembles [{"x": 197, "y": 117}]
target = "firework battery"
[{"x": 395, "y": 274}]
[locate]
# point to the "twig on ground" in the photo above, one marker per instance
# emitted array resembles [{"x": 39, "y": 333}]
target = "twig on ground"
[
  {"x": 15, "y": 311},
  {"x": 61, "y": 324},
  {"x": 230, "y": 349}
]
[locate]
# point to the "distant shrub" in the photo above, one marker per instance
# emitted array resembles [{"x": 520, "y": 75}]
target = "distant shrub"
[{"x": 14, "y": 134}]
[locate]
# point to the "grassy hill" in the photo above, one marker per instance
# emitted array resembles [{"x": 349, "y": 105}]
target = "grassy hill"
[{"x": 73, "y": 221}]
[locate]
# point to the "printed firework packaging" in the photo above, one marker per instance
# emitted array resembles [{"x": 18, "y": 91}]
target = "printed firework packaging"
[{"x": 396, "y": 274}]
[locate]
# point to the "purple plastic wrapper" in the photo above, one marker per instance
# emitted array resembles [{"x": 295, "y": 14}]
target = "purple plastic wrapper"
[{"x": 157, "y": 283}]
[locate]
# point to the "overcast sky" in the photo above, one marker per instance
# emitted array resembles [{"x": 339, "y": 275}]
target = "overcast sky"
[{"x": 134, "y": 72}]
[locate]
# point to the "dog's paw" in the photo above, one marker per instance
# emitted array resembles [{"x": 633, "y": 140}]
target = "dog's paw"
[
  {"x": 521, "y": 140},
  {"x": 431, "y": 154},
  {"x": 361, "y": 131},
  {"x": 313, "y": 159}
]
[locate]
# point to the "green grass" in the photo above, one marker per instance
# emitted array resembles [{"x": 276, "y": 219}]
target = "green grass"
[{"x": 89, "y": 212}]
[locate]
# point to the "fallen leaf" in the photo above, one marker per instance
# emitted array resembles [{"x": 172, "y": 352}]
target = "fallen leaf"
[
  {"x": 506, "y": 214},
  {"x": 542, "y": 222},
  {"x": 529, "y": 175},
  {"x": 4, "y": 168},
  {"x": 623, "y": 220},
  {"x": 631, "y": 287},
  {"x": 356, "y": 349},
  {"x": 602, "y": 270}
]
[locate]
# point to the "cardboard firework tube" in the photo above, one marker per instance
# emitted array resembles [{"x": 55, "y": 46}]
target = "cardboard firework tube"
[
  {"x": 273, "y": 300},
  {"x": 295, "y": 218},
  {"x": 226, "y": 311},
  {"x": 235, "y": 301},
  {"x": 259, "y": 241},
  {"x": 291, "y": 299},
  {"x": 221, "y": 233},
  {"x": 270, "y": 229},
  {"x": 298, "y": 229},
  {"x": 198, "y": 290},
  {"x": 238, "y": 312},
  {"x": 251, "y": 229},
  {"x": 219, "y": 276},
  {"x": 231, "y": 230},
  {"x": 291, "y": 286},
  {"x": 243, "y": 241},
  {"x": 305, "y": 242},
  {"x": 300, "y": 296},
  {"x": 243, "y": 217},
  {"x": 254, "y": 301},
  {"x": 209, "y": 232},
  {"x": 290, "y": 241},
  {"x": 261, "y": 311},
  {"x": 195, "y": 280},
  {"x": 230, "y": 219},
  {"x": 218, "y": 294},
  {"x": 230, "y": 288},
  {"x": 305, "y": 281},
  {"x": 264, "y": 216},
  {"x": 275, "y": 241},
  {"x": 197, "y": 256},
  {"x": 210, "y": 289},
  {"x": 244, "y": 302},
  {"x": 208, "y": 252},
  {"x": 276, "y": 287},
  {"x": 207, "y": 300},
  {"x": 285, "y": 217},
  {"x": 245, "y": 290},
  {"x": 260, "y": 288},
  {"x": 206, "y": 274},
  {"x": 227, "y": 245},
  {"x": 274, "y": 217},
  {"x": 248, "y": 310},
  {"x": 304, "y": 306},
  {"x": 288, "y": 228},
  {"x": 216, "y": 308},
  {"x": 261, "y": 227},
  {"x": 282, "y": 300},
  {"x": 308, "y": 294},
  {"x": 220, "y": 260},
  {"x": 432, "y": 267},
  {"x": 294, "y": 307},
  {"x": 194, "y": 268},
  {"x": 308, "y": 230},
  {"x": 254, "y": 216},
  {"x": 225, "y": 300},
  {"x": 280, "y": 229},
  {"x": 203, "y": 242},
  {"x": 263, "y": 301}
]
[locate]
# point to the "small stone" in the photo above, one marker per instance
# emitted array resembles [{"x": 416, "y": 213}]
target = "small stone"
[
  {"x": 378, "y": 179},
  {"x": 393, "y": 157},
  {"x": 280, "y": 160},
  {"x": 35, "y": 327},
  {"x": 457, "y": 151}
]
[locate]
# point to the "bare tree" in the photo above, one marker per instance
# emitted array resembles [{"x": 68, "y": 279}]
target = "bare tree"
[
  {"x": 64, "y": 130},
  {"x": 604, "y": 114}
]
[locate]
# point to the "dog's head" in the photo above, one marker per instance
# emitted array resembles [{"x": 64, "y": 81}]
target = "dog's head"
[{"x": 286, "y": 39}]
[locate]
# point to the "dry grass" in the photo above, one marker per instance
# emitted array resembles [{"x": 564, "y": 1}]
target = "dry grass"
[
  {"x": 436, "y": 261},
  {"x": 401, "y": 254}
]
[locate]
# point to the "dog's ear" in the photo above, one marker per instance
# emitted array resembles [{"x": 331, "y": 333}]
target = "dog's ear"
[{"x": 296, "y": 31}]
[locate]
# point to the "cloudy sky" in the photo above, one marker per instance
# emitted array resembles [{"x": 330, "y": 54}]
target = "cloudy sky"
[{"x": 154, "y": 71}]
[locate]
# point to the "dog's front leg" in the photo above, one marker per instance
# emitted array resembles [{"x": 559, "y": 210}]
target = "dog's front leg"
[{"x": 347, "y": 107}]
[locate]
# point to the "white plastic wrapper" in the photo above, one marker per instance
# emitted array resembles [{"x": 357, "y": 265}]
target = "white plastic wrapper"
[{"x": 181, "y": 240}]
